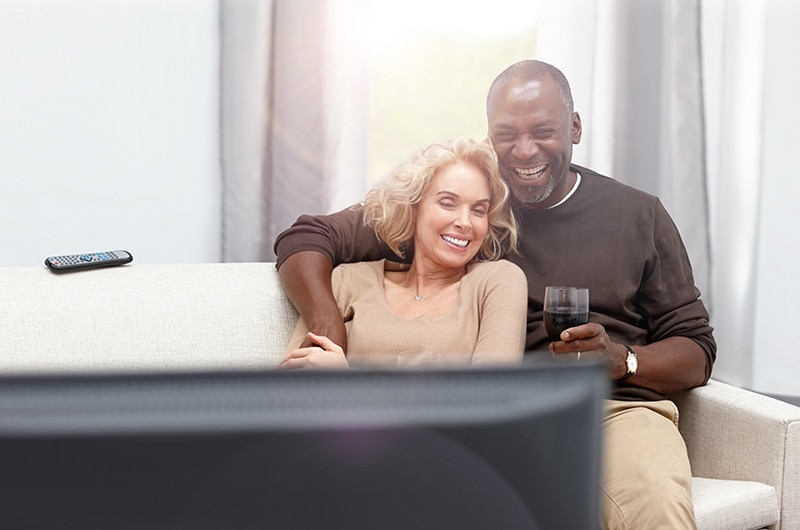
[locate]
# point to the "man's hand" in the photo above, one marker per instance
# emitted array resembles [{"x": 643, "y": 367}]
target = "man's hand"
[
  {"x": 323, "y": 354},
  {"x": 669, "y": 365},
  {"x": 592, "y": 341}
]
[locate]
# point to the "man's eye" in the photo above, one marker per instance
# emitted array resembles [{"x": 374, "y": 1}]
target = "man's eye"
[{"x": 504, "y": 136}]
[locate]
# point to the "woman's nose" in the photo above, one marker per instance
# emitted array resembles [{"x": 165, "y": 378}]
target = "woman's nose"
[{"x": 463, "y": 219}]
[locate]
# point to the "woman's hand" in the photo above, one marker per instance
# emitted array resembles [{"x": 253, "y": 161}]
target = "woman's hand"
[{"x": 325, "y": 354}]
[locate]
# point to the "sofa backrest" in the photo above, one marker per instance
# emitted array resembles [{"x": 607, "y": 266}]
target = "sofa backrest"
[{"x": 143, "y": 317}]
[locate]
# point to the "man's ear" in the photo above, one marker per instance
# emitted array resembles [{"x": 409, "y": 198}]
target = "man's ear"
[{"x": 577, "y": 128}]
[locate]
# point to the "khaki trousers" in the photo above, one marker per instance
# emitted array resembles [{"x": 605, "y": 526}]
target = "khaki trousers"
[{"x": 646, "y": 478}]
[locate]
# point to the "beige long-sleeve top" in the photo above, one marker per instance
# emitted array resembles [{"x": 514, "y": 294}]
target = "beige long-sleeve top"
[{"x": 486, "y": 326}]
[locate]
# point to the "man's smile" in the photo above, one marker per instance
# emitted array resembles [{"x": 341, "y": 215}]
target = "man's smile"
[{"x": 531, "y": 173}]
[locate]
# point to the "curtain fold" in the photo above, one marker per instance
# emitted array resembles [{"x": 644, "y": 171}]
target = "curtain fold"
[
  {"x": 245, "y": 88},
  {"x": 682, "y": 177},
  {"x": 293, "y": 123},
  {"x": 735, "y": 87}
]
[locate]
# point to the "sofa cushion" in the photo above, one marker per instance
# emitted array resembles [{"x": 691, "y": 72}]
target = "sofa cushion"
[
  {"x": 733, "y": 504},
  {"x": 212, "y": 316}
]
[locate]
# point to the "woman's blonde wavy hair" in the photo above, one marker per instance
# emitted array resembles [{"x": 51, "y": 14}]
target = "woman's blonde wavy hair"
[{"x": 389, "y": 209}]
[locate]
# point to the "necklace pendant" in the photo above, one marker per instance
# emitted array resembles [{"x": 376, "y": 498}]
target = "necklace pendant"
[{"x": 419, "y": 298}]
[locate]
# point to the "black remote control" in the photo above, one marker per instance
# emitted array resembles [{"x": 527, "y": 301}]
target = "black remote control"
[{"x": 95, "y": 260}]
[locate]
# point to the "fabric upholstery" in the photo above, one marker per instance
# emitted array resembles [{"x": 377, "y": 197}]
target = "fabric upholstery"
[
  {"x": 734, "y": 434},
  {"x": 744, "y": 447},
  {"x": 143, "y": 317},
  {"x": 728, "y": 504}
]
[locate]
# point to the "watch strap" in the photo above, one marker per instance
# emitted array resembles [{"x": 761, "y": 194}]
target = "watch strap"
[{"x": 631, "y": 356}]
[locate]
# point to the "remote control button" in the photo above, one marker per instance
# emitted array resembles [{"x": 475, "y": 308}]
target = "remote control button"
[{"x": 86, "y": 257}]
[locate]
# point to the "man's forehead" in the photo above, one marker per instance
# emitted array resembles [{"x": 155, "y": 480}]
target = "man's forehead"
[
  {"x": 530, "y": 96},
  {"x": 528, "y": 87}
]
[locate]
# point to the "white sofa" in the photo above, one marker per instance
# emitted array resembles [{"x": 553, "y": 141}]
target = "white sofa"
[{"x": 744, "y": 447}]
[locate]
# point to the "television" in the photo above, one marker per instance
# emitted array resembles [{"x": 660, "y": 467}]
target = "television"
[{"x": 473, "y": 448}]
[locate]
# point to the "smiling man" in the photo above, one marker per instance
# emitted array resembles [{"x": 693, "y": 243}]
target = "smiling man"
[
  {"x": 532, "y": 126},
  {"x": 579, "y": 228}
]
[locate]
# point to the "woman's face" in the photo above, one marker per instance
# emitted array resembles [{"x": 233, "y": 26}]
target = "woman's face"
[{"x": 453, "y": 216}]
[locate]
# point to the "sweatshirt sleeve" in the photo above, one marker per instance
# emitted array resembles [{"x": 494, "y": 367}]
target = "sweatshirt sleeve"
[
  {"x": 342, "y": 236},
  {"x": 668, "y": 294},
  {"x": 503, "y": 315}
]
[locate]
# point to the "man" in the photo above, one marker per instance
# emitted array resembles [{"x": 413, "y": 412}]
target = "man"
[{"x": 576, "y": 228}]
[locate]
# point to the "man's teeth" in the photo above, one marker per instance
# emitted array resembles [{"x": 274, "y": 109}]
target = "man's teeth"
[
  {"x": 460, "y": 242},
  {"x": 532, "y": 173}
]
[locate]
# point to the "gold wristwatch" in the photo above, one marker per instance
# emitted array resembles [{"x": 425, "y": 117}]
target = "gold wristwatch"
[{"x": 631, "y": 363}]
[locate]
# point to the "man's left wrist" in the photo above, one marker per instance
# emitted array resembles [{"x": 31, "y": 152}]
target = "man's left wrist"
[{"x": 631, "y": 364}]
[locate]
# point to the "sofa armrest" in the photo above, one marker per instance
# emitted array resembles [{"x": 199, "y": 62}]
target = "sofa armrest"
[{"x": 735, "y": 434}]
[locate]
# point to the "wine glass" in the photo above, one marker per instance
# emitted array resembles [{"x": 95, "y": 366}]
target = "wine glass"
[{"x": 564, "y": 307}]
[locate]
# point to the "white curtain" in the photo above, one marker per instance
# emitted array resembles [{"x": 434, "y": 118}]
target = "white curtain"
[
  {"x": 294, "y": 122},
  {"x": 734, "y": 52},
  {"x": 753, "y": 86},
  {"x": 245, "y": 92}
]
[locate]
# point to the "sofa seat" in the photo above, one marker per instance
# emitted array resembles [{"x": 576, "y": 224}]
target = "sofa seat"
[
  {"x": 744, "y": 448},
  {"x": 726, "y": 504}
]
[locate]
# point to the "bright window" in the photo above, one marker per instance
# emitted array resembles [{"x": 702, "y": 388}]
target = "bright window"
[{"x": 431, "y": 64}]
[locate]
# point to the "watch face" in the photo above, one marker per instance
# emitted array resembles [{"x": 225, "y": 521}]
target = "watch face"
[{"x": 632, "y": 362}]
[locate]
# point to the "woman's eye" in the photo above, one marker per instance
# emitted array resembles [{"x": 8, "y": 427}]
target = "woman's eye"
[
  {"x": 479, "y": 211},
  {"x": 447, "y": 204}
]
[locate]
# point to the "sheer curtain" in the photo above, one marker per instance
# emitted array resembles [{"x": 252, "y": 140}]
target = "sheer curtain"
[
  {"x": 734, "y": 50},
  {"x": 245, "y": 93},
  {"x": 293, "y": 121},
  {"x": 754, "y": 99},
  {"x": 691, "y": 100}
]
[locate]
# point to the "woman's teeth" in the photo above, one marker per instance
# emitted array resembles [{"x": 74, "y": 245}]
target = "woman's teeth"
[{"x": 458, "y": 242}]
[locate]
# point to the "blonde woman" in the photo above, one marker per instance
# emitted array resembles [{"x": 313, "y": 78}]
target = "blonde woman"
[{"x": 457, "y": 303}]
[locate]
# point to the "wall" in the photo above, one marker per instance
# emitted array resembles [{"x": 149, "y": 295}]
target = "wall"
[{"x": 109, "y": 129}]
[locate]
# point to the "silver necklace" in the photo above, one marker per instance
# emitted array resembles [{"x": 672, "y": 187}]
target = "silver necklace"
[{"x": 419, "y": 297}]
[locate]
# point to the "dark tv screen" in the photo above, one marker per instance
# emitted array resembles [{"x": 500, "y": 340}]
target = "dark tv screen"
[{"x": 358, "y": 449}]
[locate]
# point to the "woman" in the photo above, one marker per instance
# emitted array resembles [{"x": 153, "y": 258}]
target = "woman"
[{"x": 456, "y": 303}]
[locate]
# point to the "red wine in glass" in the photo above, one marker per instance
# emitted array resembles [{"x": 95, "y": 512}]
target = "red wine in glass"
[
  {"x": 555, "y": 323},
  {"x": 564, "y": 307}
]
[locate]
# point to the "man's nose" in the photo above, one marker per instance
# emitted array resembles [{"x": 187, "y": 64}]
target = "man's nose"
[{"x": 525, "y": 147}]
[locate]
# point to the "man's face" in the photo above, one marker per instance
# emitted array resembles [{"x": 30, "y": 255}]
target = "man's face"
[{"x": 533, "y": 132}]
